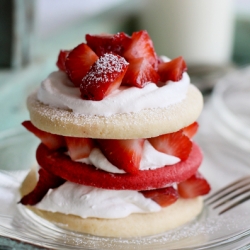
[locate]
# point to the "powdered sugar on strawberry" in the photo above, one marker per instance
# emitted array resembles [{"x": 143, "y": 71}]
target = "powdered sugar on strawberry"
[
  {"x": 104, "y": 77},
  {"x": 58, "y": 91},
  {"x": 107, "y": 65}
]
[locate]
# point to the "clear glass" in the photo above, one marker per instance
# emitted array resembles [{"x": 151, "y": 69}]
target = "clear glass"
[{"x": 17, "y": 154}]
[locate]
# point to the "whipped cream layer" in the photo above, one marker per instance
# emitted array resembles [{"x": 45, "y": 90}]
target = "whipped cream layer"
[
  {"x": 151, "y": 159},
  {"x": 59, "y": 92},
  {"x": 86, "y": 201}
]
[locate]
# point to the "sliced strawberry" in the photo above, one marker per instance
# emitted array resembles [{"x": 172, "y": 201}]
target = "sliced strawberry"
[
  {"x": 173, "y": 70},
  {"x": 105, "y": 76},
  {"x": 124, "y": 154},
  {"x": 52, "y": 141},
  {"x": 46, "y": 181},
  {"x": 139, "y": 73},
  {"x": 176, "y": 144},
  {"x": 140, "y": 46},
  {"x": 61, "y": 165},
  {"x": 78, "y": 62},
  {"x": 107, "y": 43},
  {"x": 164, "y": 196},
  {"x": 79, "y": 147},
  {"x": 61, "y": 59},
  {"x": 195, "y": 186},
  {"x": 191, "y": 130}
]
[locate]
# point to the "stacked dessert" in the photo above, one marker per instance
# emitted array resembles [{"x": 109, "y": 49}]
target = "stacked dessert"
[{"x": 116, "y": 123}]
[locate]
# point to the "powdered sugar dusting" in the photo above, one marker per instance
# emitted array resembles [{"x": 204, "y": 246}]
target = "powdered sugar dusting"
[
  {"x": 127, "y": 125},
  {"x": 205, "y": 232},
  {"x": 197, "y": 233},
  {"x": 105, "y": 68}
]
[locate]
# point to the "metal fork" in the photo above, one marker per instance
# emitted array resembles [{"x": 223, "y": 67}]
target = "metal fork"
[{"x": 230, "y": 196}]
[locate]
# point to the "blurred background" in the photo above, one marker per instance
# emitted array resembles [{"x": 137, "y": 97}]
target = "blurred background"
[{"x": 213, "y": 37}]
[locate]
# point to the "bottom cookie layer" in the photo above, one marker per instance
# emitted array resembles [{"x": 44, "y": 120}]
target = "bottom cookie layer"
[{"x": 177, "y": 214}]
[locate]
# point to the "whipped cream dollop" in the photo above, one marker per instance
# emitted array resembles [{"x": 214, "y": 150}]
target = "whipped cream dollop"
[
  {"x": 86, "y": 201},
  {"x": 151, "y": 159},
  {"x": 58, "y": 91}
]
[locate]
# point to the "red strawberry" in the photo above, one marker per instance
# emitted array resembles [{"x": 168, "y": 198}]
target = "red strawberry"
[
  {"x": 78, "y": 62},
  {"x": 52, "y": 141},
  {"x": 191, "y": 130},
  {"x": 105, "y": 76},
  {"x": 61, "y": 59},
  {"x": 164, "y": 196},
  {"x": 124, "y": 154},
  {"x": 176, "y": 144},
  {"x": 79, "y": 147},
  {"x": 139, "y": 73},
  {"x": 173, "y": 70},
  {"x": 107, "y": 43},
  {"x": 61, "y": 165},
  {"x": 140, "y": 46},
  {"x": 195, "y": 186},
  {"x": 46, "y": 181}
]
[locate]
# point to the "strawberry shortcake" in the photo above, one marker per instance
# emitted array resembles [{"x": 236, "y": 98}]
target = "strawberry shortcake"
[{"x": 116, "y": 156}]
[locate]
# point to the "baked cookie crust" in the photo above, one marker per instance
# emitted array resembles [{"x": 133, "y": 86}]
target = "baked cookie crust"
[{"x": 145, "y": 124}]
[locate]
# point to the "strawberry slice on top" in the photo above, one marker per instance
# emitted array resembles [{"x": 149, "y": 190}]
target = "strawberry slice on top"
[
  {"x": 172, "y": 70},
  {"x": 176, "y": 144},
  {"x": 106, "y": 43},
  {"x": 193, "y": 187},
  {"x": 79, "y": 148},
  {"x": 105, "y": 76},
  {"x": 124, "y": 154},
  {"x": 52, "y": 141},
  {"x": 61, "y": 59},
  {"x": 78, "y": 62},
  {"x": 163, "y": 196},
  {"x": 139, "y": 73},
  {"x": 140, "y": 46}
]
